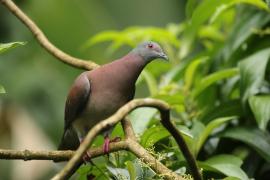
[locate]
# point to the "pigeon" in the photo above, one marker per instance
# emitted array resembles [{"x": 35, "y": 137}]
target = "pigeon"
[{"x": 96, "y": 95}]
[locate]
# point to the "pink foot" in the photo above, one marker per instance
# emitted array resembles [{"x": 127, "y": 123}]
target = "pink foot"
[{"x": 106, "y": 144}]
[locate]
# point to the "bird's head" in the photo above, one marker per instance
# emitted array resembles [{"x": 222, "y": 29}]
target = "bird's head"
[{"x": 150, "y": 50}]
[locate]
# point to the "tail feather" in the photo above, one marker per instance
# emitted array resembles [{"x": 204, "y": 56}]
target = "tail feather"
[{"x": 69, "y": 141}]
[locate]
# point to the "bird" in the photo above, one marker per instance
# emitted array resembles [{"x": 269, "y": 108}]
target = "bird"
[{"x": 95, "y": 95}]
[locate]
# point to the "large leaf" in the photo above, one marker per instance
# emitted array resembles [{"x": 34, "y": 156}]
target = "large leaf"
[
  {"x": 260, "y": 106},
  {"x": 141, "y": 117},
  {"x": 119, "y": 173},
  {"x": 191, "y": 71},
  {"x": 230, "y": 108},
  {"x": 7, "y": 46},
  {"x": 252, "y": 70},
  {"x": 212, "y": 78},
  {"x": 229, "y": 165},
  {"x": 209, "y": 129},
  {"x": 254, "y": 137},
  {"x": 153, "y": 135}
]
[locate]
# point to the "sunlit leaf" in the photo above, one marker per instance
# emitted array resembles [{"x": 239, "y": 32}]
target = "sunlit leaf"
[
  {"x": 252, "y": 70},
  {"x": 131, "y": 169},
  {"x": 191, "y": 71},
  {"x": 224, "y": 7},
  {"x": 213, "y": 78},
  {"x": 209, "y": 129},
  {"x": 175, "y": 99},
  {"x": 255, "y": 138},
  {"x": 2, "y": 90},
  {"x": 7, "y": 46},
  {"x": 202, "y": 13},
  {"x": 260, "y": 106}
]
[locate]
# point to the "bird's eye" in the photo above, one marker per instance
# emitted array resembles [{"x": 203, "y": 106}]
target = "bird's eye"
[{"x": 150, "y": 45}]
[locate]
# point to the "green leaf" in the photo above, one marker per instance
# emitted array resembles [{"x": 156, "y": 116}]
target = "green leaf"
[
  {"x": 7, "y": 46},
  {"x": 257, "y": 139},
  {"x": 243, "y": 29},
  {"x": 191, "y": 71},
  {"x": 229, "y": 165},
  {"x": 212, "y": 78},
  {"x": 2, "y": 90},
  {"x": 260, "y": 106},
  {"x": 209, "y": 128},
  {"x": 230, "y": 108},
  {"x": 190, "y": 7},
  {"x": 252, "y": 70},
  {"x": 131, "y": 169},
  {"x": 119, "y": 173},
  {"x": 224, "y": 7},
  {"x": 151, "y": 82},
  {"x": 202, "y": 13},
  {"x": 141, "y": 117},
  {"x": 153, "y": 135},
  {"x": 174, "y": 99}
]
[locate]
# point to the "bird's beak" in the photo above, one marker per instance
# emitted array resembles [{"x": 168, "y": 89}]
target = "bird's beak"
[{"x": 163, "y": 56}]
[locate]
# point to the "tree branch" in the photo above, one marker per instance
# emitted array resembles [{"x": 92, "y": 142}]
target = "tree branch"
[
  {"x": 165, "y": 120},
  {"x": 44, "y": 42},
  {"x": 27, "y": 155}
]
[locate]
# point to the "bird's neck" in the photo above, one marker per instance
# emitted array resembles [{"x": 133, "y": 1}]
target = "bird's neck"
[{"x": 133, "y": 65}]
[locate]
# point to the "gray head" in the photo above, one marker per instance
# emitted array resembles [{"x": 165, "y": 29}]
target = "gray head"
[{"x": 150, "y": 50}]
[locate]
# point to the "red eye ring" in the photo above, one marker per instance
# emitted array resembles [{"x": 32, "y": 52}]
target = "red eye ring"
[{"x": 150, "y": 45}]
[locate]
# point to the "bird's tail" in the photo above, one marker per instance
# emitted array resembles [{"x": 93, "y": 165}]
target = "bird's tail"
[{"x": 69, "y": 141}]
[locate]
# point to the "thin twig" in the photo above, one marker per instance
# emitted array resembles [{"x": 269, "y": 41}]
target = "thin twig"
[
  {"x": 165, "y": 120},
  {"x": 44, "y": 42}
]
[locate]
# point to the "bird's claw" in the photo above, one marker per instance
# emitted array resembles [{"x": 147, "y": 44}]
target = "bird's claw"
[{"x": 86, "y": 157}]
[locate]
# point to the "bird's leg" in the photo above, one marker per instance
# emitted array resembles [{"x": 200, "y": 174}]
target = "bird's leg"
[{"x": 106, "y": 144}]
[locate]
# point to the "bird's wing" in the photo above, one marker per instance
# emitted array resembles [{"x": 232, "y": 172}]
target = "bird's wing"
[
  {"x": 77, "y": 99},
  {"x": 76, "y": 102}
]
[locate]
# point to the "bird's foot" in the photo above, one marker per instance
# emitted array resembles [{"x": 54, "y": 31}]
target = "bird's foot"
[
  {"x": 107, "y": 141},
  {"x": 87, "y": 158},
  {"x": 116, "y": 139},
  {"x": 106, "y": 144}
]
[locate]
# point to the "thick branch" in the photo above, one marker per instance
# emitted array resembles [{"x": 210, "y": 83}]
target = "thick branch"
[
  {"x": 44, "y": 42},
  {"x": 27, "y": 155}
]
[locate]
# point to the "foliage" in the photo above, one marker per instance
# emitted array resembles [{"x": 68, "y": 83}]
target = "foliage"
[
  {"x": 217, "y": 85},
  {"x": 5, "y": 47}
]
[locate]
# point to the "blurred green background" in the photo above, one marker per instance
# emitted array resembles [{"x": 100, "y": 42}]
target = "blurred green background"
[{"x": 217, "y": 83}]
